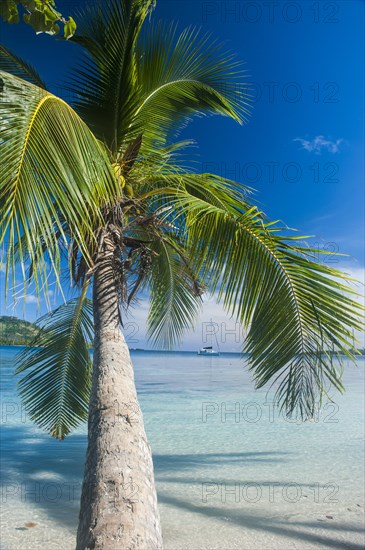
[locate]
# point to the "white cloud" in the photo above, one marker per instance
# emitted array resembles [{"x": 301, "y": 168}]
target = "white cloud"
[
  {"x": 355, "y": 272},
  {"x": 320, "y": 142},
  {"x": 31, "y": 299},
  {"x": 211, "y": 321},
  {"x": 230, "y": 335}
]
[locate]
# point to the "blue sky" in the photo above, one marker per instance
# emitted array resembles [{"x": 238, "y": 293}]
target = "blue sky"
[{"x": 302, "y": 149}]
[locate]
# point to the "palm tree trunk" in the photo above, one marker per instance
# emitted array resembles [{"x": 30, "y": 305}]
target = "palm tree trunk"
[{"x": 118, "y": 502}]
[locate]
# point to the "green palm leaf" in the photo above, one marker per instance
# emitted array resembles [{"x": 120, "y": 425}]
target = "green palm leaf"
[
  {"x": 56, "y": 374},
  {"x": 53, "y": 169},
  {"x": 149, "y": 83},
  {"x": 181, "y": 76},
  {"x": 13, "y": 64},
  {"x": 105, "y": 83},
  {"x": 174, "y": 294},
  {"x": 296, "y": 310}
]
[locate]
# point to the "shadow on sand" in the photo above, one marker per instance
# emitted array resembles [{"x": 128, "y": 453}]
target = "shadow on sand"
[{"x": 30, "y": 459}]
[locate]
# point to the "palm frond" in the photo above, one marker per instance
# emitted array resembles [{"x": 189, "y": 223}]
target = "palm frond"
[
  {"x": 13, "y": 64},
  {"x": 53, "y": 169},
  {"x": 181, "y": 76},
  {"x": 175, "y": 297},
  {"x": 296, "y": 310},
  {"x": 104, "y": 85},
  {"x": 56, "y": 368}
]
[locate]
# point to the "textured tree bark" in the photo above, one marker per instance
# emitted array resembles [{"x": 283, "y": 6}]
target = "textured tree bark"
[{"x": 118, "y": 503}]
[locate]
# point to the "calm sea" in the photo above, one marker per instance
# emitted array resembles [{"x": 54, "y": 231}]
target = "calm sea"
[{"x": 230, "y": 471}]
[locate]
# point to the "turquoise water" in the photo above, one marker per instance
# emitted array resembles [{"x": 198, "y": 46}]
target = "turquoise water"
[{"x": 230, "y": 472}]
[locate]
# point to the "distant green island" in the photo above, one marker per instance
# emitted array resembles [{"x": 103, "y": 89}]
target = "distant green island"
[{"x": 16, "y": 332}]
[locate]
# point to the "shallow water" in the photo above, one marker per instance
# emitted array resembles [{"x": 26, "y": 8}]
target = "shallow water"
[{"x": 230, "y": 472}]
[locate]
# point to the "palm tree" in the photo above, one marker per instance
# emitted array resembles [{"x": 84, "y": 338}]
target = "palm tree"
[{"x": 103, "y": 184}]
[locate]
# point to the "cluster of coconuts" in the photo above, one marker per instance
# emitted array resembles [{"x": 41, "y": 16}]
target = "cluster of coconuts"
[{"x": 124, "y": 184}]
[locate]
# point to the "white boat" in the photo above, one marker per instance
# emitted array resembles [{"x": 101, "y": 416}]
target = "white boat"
[{"x": 208, "y": 351}]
